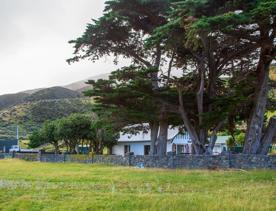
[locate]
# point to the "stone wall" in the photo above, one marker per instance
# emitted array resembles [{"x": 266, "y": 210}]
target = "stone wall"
[
  {"x": 25, "y": 156},
  {"x": 238, "y": 161}
]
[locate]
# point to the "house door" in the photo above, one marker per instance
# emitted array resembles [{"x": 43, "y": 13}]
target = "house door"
[
  {"x": 126, "y": 149},
  {"x": 146, "y": 149}
]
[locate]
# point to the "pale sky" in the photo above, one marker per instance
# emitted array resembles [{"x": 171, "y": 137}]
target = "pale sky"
[{"x": 34, "y": 37}]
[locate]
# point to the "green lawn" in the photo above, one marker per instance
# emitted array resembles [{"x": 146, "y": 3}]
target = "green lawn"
[{"x": 47, "y": 186}]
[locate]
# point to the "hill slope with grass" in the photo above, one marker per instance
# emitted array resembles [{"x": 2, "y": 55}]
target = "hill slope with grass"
[
  {"x": 12, "y": 99},
  {"x": 31, "y": 115},
  {"x": 52, "y": 94}
]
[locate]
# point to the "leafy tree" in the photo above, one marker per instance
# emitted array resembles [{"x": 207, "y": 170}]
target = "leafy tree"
[
  {"x": 36, "y": 139},
  {"x": 75, "y": 130},
  {"x": 47, "y": 134},
  {"x": 102, "y": 135}
]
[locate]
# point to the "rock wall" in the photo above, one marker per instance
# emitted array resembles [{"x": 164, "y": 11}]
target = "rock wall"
[{"x": 226, "y": 161}]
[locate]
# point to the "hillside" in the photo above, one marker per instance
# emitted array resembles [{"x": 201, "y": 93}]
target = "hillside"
[
  {"x": 52, "y": 93},
  {"x": 72, "y": 90},
  {"x": 30, "y": 115},
  {"x": 12, "y": 99},
  {"x": 9, "y": 100},
  {"x": 81, "y": 85},
  {"x": 30, "y": 108}
]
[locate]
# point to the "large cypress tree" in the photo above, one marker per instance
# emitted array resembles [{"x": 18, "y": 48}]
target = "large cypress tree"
[{"x": 122, "y": 31}]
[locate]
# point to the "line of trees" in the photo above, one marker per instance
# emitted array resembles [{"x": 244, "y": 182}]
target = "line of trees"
[
  {"x": 74, "y": 131},
  {"x": 204, "y": 64}
]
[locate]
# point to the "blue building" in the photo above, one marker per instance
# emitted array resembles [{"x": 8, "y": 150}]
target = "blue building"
[{"x": 5, "y": 144}]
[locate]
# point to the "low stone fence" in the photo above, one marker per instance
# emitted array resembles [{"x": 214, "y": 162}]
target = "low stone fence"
[{"x": 238, "y": 161}]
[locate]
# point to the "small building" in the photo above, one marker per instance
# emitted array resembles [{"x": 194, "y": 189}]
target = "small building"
[
  {"x": 140, "y": 143},
  {"x": 178, "y": 142},
  {"x": 220, "y": 145},
  {"x": 6, "y": 144}
]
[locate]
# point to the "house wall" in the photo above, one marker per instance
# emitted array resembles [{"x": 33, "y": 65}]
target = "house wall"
[
  {"x": 118, "y": 149},
  {"x": 136, "y": 148},
  {"x": 218, "y": 148}
]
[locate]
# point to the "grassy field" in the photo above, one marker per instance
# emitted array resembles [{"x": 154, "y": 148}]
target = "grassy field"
[{"x": 47, "y": 186}]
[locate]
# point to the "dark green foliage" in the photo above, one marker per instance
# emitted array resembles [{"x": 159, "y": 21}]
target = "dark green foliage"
[
  {"x": 75, "y": 130},
  {"x": 213, "y": 46},
  {"x": 128, "y": 94},
  {"x": 47, "y": 134}
]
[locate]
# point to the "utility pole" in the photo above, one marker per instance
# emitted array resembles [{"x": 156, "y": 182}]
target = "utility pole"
[{"x": 17, "y": 135}]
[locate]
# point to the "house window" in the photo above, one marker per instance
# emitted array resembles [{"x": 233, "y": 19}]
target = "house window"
[
  {"x": 146, "y": 149},
  {"x": 179, "y": 149},
  {"x": 126, "y": 149}
]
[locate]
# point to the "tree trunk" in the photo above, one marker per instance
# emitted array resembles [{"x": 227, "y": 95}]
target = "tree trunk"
[
  {"x": 90, "y": 146},
  {"x": 199, "y": 97},
  {"x": 255, "y": 125},
  {"x": 56, "y": 148},
  {"x": 268, "y": 136},
  {"x": 198, "y": 148},
  {"x": 213, "y": 138},
  {"x": 154, "y": 127},
  {"x": 154, "y": 75},
  {"x": 162, "y": 138}
]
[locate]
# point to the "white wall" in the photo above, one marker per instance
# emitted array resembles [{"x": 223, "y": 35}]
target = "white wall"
[
  {"x": 137, "y": 148},
  {"x": 118, "y": 149}
]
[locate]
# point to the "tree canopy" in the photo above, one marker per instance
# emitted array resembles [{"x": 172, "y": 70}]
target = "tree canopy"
[
  {"x": 74, "y": 131},
  {"x": 199, "y": 64}
]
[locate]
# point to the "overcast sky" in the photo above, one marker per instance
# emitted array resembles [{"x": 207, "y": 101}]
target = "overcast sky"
[{"x": 34, "y": 37}]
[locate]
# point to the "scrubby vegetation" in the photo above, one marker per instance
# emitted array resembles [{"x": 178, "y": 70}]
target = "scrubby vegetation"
[{"x": 31, "y": 115}]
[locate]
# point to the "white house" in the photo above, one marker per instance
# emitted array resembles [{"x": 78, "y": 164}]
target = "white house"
[
  {"x": 221, "y": 145},
  {"x": 139, "y": 144},
  {"x": 178, "y": 142}
]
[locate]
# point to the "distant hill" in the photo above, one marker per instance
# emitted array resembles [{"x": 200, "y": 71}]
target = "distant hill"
[
  {"x": 81, "y": 85},
  {"x": 12, "y": 99},
  {"x": 59, "y": 92},
  {"x": 53, "y": 93},
  {"x": 30, "y": 108},
  {"x": 9, "y": 100},
  {"x": 32, "y": 91},
  {"x": 30, "y": 115}
]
